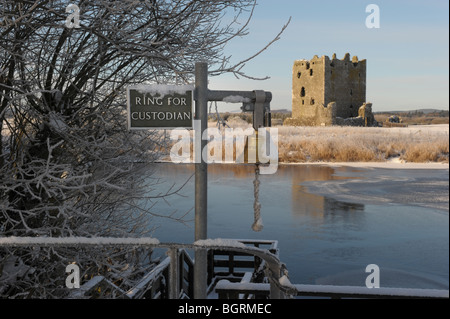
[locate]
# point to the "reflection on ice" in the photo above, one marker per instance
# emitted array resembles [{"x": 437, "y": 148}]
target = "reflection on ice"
[{"x": 328, "y": 221}]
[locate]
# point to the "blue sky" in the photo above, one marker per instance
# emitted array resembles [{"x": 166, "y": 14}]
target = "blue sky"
[{"x": 407, "y": 57}]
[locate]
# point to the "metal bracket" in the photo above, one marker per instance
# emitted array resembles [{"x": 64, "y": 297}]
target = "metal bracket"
[
  {"x": 260, "y": 107},
  {"x": 258, "y": 112}
]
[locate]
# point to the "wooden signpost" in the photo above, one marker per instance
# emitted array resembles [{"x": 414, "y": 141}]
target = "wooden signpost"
[{"x": 170, "y": 107}]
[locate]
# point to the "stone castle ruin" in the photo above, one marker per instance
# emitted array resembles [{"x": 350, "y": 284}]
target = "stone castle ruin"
[{"x": 330, "y": 92}]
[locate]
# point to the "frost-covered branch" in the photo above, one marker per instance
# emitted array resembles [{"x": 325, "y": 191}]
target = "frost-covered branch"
[{"x": 68, "y": 165}]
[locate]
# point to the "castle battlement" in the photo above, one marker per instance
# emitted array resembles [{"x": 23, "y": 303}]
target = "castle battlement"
[{"x": 318, "y": 82}]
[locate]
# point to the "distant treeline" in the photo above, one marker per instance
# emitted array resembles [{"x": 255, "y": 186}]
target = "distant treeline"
[
  {"x": 248, "y": 117},
  {"x": 417, "y": 117},
  {"x": 418, "y": 113}
]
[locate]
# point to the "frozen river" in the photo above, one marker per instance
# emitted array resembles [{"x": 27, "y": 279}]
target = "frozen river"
[{"x": 330, "y": 222}]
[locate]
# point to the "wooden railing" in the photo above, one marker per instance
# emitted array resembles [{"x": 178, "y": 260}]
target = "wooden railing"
[
  {"x": 229, "y": 290},
  {"x": 173, "y": 277},
  {"x": 234, "y": 264}
]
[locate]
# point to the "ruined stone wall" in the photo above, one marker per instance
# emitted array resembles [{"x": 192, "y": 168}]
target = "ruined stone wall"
[
  {"x": 345, "y": 84},
  {"x": 308, "y": 89},
  {"x": 321, "y": 81}
]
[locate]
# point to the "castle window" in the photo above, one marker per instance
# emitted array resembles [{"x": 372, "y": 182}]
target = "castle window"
[
  {"x": 351, "y": 106},
  {"x": 303, "y": 92},
  {"x": 311, "y": 72},
  {"x": 299, "y": 74},
  {"x": 303, "y": 102},
  {"x": 351, "y": 92},
  {"x": 313, "y": 102},
  {"x": 307, "y": 65}
]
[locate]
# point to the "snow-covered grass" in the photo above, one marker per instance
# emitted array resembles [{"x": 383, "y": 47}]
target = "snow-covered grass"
[
  {"x": 419, "y": 144},
  {"x": 415, "y": 144},
  {"x": 337, "y": 144}
]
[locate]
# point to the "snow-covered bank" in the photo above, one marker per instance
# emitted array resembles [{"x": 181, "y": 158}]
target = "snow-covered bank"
[
  {"x": 414, "y": 144},
  {"x": 392, "y": 164}
]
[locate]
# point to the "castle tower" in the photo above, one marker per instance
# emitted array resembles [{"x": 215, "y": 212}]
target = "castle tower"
[{"x": 319, "y": 82}]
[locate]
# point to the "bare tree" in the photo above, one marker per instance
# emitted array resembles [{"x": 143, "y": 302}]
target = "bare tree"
[{"x": 68, "y": 166}]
